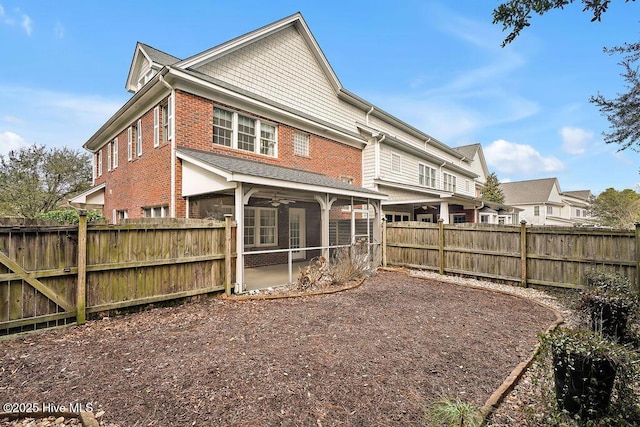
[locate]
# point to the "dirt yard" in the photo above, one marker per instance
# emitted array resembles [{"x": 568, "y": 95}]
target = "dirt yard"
[{"x": 375, "y": 355}]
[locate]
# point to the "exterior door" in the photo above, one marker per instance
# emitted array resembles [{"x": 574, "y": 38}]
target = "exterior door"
[{"x": 297, "y": 232}]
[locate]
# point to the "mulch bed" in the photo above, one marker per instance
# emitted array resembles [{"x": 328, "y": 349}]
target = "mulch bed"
[{"x": 375, "y": 355}]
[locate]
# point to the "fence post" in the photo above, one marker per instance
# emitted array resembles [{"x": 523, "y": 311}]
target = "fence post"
[
  {"x": 227, "y": 254},
  {"x": 441, "y": 244},
  {"x": 81, "y": 291},
  {"x": 637, "y": 285},
  {"x": 384, "y": 242},
  {"x": 523, "y": 253}
]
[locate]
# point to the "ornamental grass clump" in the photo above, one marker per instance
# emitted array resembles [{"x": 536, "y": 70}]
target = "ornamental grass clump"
[{"x": 448, "y": 412}]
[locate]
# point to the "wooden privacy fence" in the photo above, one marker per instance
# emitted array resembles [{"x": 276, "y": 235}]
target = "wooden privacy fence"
[
  {"x": 57, "y": 275},
  {"x": 528, "y": 255}
]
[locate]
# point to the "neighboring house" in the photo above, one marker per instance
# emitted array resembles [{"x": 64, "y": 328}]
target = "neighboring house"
[
  {"x": 261, "y": 128},
  {"x": 543, "y": 202}
]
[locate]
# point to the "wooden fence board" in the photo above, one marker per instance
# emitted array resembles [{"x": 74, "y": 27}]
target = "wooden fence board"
[
  {"x": 126, "y": 265},
  {"x": 552, "y": 256}
]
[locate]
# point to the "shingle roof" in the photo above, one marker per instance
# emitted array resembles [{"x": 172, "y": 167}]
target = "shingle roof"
[
  {"x": 532, "y": 191},
  {"x": 159, "y": 56},
  {"x": 469, "y": 151},
  {"x": 259, "y": 169},
  {"x": 578, "y": 194}
]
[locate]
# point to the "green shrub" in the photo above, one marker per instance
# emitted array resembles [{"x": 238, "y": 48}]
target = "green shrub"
[{"x": 69, "y": 216}]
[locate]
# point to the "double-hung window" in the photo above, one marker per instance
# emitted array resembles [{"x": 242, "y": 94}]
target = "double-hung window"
[
  {"x": 267, "y": 139},
  {"x": 115, "y": 153},
  {"x": 246, "y": 133},
  {"x": 536, "y": 211},
  {"x": 449, "y": 182},
  {"x": 549, "y": 210},
  {"x": 235, "y": 130},
  {"x": 130, "y": 143},
  {"x": 222, "y": 127},
  {"x": 260, "y": 226},
  {"x": 109, "y": 151},
  {"x": 426, "y": 176}
]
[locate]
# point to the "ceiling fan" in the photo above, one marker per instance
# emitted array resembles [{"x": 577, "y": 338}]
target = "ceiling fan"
[{"x": 277, "y": 201}]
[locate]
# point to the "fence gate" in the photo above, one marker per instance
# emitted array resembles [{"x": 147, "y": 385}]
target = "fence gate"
[{"x": 37, "y": 277}]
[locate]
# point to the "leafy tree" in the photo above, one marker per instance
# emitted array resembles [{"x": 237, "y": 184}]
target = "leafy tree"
[
  {"x": 619, "y": 209},
  {"x": 514, "y": 15},
  {"x": 35, "y": 179},
  {"x": 492, "y": 191},
  {"x": 621, "y": 111}
]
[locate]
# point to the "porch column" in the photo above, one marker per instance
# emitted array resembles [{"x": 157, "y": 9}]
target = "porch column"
[
  {"x": 239, "y": 208},
  {"x": 377, "y": 221},
  {"x": 325, "y": 208},
  {"x": 444, "y": 212}
]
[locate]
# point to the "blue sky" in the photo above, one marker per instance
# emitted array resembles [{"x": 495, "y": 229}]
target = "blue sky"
[{"x": 435, "y": 64}]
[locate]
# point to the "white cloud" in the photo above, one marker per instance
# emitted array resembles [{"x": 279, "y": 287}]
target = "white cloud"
[
  {"x": 27, "y": 24},
  {"x": 58, "y": 30},
  {"x": 10, "y": 141},
  {"x": 13, "y": 120},
  {"x": 511, "y": 158},
  {"x": 575, "y": 140}
]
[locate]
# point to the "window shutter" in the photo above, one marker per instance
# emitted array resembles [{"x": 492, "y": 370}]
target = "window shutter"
[{"x": 156, "y": 126}]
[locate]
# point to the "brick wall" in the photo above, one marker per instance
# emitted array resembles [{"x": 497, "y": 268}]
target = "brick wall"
[
  {"x": 194, "y": 129},
  {"x": 143, "y": 181}
]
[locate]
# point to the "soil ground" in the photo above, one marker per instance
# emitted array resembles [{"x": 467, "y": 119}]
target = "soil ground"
[{"x": 375, "y": 355}]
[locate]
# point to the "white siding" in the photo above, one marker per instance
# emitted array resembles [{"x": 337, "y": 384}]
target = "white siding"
[
  {"x": 282, "y": 68},
  {"x": 409, "y": 171},
  {"x": 368, "y": 165}
]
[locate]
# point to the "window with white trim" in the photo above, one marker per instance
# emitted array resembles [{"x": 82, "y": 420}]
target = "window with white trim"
[
  {"x": 242, "y": 132},
  {"x": 448, "y": 182},
  {"x": 426, "y": 175},
  {"x": 267, "y": 139},
  {"x": 301, "y": 144},
  {"x": 396, "y": 163},
  {"x": 396, "y": 216},
  {"x": 99, "y": 161},
  {"x": 115, "y": 153},
  {"x": 458, "y": 218},
  {"x": 222, "y": 127},
  {"x": 139, "y": 138},
  {"x": 246, "y": 133},
  {"x": 130, "y": 143},
  {"x": 156, "y": 126},
  {"x": 549, "y": 210},
  {"x": 536, "y": 211},
  {"x": 118, "y": 215},
  {"x": 578, "y": 213},
  {"x": 156, "y": 212},
  {"x": 260, "y": 226}
]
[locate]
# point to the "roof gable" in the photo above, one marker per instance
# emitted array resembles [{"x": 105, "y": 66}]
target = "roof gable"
[
  {"x": 146, "y": 61},
  {"x": 294, "y": 21},
  {"x": 532, "y": 191}
]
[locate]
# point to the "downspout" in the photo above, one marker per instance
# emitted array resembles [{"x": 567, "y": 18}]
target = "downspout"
[
  {"x": 376, "y": 171},
  {"x": 172, "y": 203},
  {"x": 366, "y": 117},
  {"x": 478, "y": 212}
]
